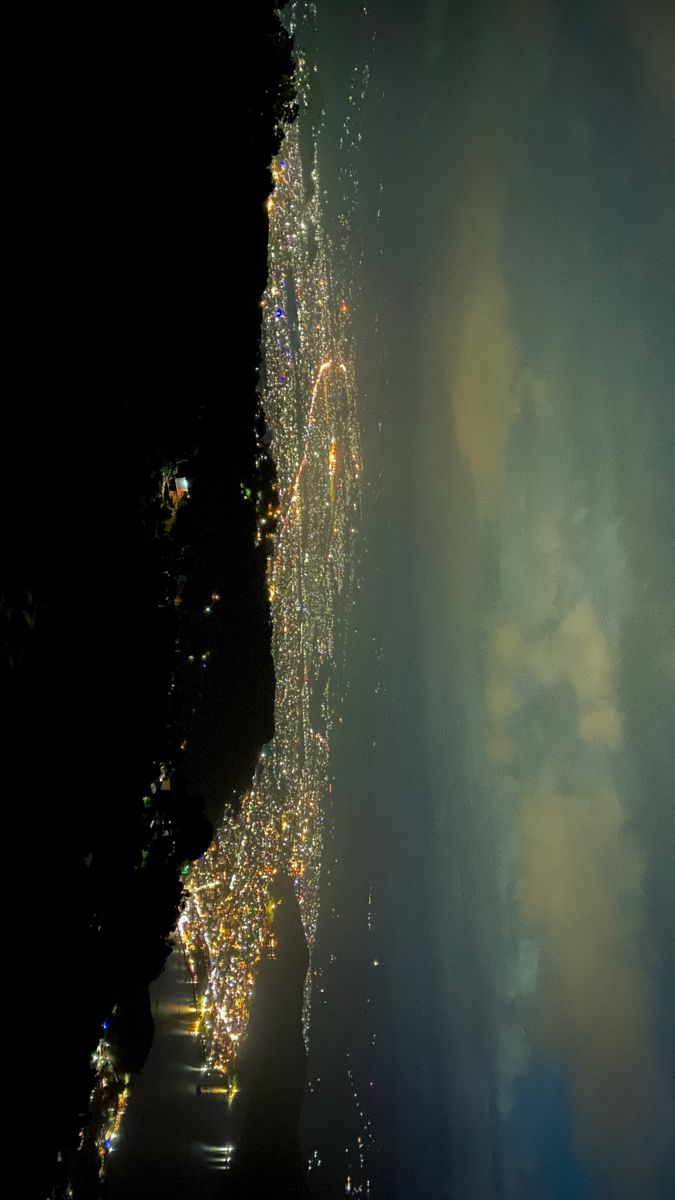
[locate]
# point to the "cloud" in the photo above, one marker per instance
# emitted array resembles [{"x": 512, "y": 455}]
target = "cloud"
[
  {"x": 501, "y": 700},
  {"x": 484, "y": 403},
  {"x": 579, "y": 887},
  {"x": 577, "y": 653},
  {"x": 584, "y": 658},
  {"x": 507, "y": 643},
  {"x": 501, "y": 749},
  {"x": 545, "y": 534}
]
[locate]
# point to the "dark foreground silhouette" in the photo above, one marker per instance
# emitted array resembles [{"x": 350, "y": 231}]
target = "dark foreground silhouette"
[{"x": 139, "y": 168}]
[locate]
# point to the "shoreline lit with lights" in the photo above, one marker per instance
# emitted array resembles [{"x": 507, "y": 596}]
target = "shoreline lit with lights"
[{"x": 309, "y": 402}]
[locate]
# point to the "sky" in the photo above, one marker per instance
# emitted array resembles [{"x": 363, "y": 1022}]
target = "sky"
[{"x": 504, "y": 768}]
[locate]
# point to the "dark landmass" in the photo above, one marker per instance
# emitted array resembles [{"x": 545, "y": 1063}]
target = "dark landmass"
[{"x": 139, "y": 168}]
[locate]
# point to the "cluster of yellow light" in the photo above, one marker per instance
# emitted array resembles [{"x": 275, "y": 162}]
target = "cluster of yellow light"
[
  {"x": 107, "y": 1103},
  {"x": 310, "y": 409}
]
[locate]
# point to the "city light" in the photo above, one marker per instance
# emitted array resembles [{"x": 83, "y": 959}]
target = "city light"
[{"x": 309, "y": 403}]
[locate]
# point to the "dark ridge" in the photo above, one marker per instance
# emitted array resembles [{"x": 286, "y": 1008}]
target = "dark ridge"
[{"x": 138, "y": 167}]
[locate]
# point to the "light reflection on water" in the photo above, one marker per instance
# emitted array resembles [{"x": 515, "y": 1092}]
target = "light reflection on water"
[
  {"x": 176, "y": 1132},
  {"x": 218, "y": 1158}
]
